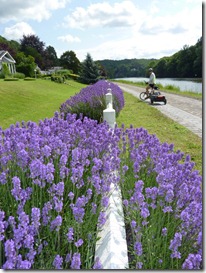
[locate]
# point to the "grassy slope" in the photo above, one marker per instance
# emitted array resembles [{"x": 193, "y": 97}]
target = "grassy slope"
[{"x": 32, "y": 100}]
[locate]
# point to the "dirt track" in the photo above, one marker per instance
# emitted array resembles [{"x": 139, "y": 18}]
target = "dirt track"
[{"x": 186, "y": 111}]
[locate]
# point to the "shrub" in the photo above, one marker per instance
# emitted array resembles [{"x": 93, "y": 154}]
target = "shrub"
[
  {"x": 55, "y": 179},
  {"x": 162, "y": 197},
  {"x": 91, "y": 102},
  {"x": 58, "y": 79},
  {"x": 29, "y": 79},
  {"x": 19, "y": 75},
  {"x": 11, "y": 79}
]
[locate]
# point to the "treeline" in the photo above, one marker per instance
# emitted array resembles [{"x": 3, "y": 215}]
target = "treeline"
[
  {"x": 31, "y": 52},
  {"x": 186, "y": 63}
]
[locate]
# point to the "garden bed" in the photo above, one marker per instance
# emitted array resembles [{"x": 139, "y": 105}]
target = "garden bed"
[
  {"x": 56, "y": 179},
  {"x": 162, "y": 200}
]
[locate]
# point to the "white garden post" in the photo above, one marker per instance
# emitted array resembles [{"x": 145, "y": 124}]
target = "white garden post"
[
  {"x": 111, "y": 248},
  {"x": 109, "y": 112}
]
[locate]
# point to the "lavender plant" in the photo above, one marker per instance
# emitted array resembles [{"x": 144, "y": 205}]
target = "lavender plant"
[
  {"x": 162, "y": 201},
  {"x": 55, "y": 179},
  {"x": 90, "y": 101}
]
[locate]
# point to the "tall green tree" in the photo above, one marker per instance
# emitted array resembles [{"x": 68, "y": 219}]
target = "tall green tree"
[
  {"x": 31, "y": 45},
  {"x": 50, "y": 57},
  {"x": 197, "y": 65},
  {"x": 89, "y": 73},
  {"x": 70, "y": 61}
]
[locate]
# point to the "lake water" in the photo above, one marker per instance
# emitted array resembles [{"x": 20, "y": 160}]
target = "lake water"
[{"x": 194, "y": 85}]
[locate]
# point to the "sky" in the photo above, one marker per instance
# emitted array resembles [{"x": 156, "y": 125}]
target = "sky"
[{"x": 108, "y": 29}]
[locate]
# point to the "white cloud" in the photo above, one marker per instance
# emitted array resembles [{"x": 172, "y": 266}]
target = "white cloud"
[
  {"x": 69, "y": 39},
  {"x": 121, "y": 14},
  {"x": 37, "y": 10},
  {"x": 187, "y": 20},
  {"x": 16, "y": 31}
]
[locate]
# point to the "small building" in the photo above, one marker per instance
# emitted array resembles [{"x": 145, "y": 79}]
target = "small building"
[{"x": 5, "y": 57}]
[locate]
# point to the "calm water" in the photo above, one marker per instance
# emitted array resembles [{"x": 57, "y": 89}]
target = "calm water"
[{"x": 194, "y": 85}]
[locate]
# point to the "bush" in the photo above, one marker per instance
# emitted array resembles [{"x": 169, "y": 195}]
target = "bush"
[
  {"x": 19, "y": 75},
  {"x": 162, "y": 200},
  {"x": 54, "y": 183},
  {"x": 91, "y": 102},
  {"x": 11, "y": 79},
  {"x": 58, "y": 79},
  {"x": 29, "y": 79}
]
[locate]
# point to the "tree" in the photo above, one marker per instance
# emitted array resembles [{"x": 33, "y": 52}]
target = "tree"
[
  {"x": 32, "y": 41},
  {"x": 89, "y": 72},
  {"x": 10, "y": 46},
  {"x": 69, "y": 61},
  {"x": 31, "y": 45},
  {"x": 197, "y": 65},
  {"x": 25, "y": 64},
  {"x": 50, "y": 57},
  {"x": 101, "y": 69}
]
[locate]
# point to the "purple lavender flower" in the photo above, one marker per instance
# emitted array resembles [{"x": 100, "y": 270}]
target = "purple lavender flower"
[
  {"x": 35, "y": 216},
  {"x": 45, "y": 213},
  {"x": 56, "y": 223},
  {"x": 79, "y": 243},
  {"x": 125, "y": 203},
  {"x": 169, "y": 196},
  {"x": 93, "y": 99},
  {"x": 3, "y": 225},
  {"x": 102, "y": 218},
  {"x": 193, "y": 261},
  {"x": 46, "y": 151},
  {"x": 10, "y": 251},
  {"x": 78, "y": 214},
  {"x": 24, "y": 264},
  {"x": 105, "y": 201},
  {"x": 139, "y": 265},
  {"x": 89, "y": 193},
  {"x": 76, "y": 261},
  {"x": 58, "y": 204},
  {"x": 57, "y": 263},
  {"x": 176, "y": 242},
  {"x": 68, "y": 258},
  {"x": 144, "y": 211},
  {"x": 133, "y": 224},
  {"x": 16, "y": 191},
  {"x": 94, "y": 208},
  {"x": 97, "y": 264},
  {"x": 71, "y": 195},
  {"x": 3, "y": 178},
  {"x": 70, "y": 235},
  {"x": 164, "y": 231},
  {"x": 138, "y": 248}
]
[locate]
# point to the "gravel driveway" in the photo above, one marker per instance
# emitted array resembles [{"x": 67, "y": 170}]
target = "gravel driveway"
[{"x": 186, "y": 111}]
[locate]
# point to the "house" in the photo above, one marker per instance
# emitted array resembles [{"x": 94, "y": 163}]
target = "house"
[{"x": 5, "y": 57}]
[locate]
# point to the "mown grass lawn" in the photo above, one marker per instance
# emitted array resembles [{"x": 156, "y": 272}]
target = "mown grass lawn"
[{"x": 32, "y": 100}]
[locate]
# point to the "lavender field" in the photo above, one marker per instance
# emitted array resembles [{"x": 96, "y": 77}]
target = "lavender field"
[{"x": 55, "y": 179}]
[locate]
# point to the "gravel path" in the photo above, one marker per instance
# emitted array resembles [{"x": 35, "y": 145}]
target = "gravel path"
[{"x": 186, "y": 111}]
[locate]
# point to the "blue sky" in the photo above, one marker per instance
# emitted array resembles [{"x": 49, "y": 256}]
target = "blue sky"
[{"x": 113, "y": 29}]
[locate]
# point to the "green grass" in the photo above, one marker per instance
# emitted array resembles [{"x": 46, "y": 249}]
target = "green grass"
[
  {"x": 140, "y": 114},
  {"x": 32, "y": 100},
  {"x": 167, "y": 89},
  {"x": 35, "y": 100}
]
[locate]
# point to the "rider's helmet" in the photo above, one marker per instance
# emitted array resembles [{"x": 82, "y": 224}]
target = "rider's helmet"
[{"x": 150, "y": 69}]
